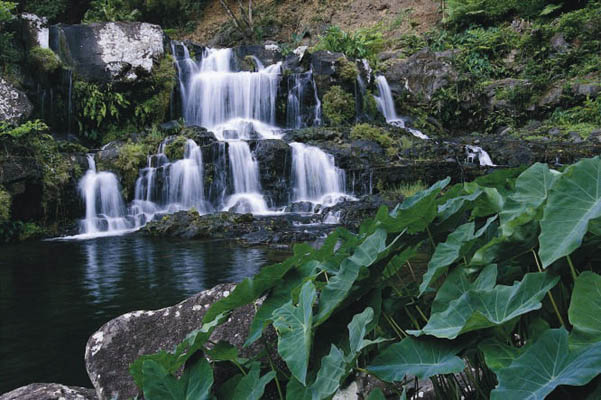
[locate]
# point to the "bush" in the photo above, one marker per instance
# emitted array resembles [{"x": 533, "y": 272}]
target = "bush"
[
  {"x": 175, "y": 149},
  {"x": 44, "y": 60},
  {"x": 132, "y": 157},
  {"x": 475, "y": 288},
  {"x": 27, "y": 129},
  {"x": 347, "y": 70},
  {"x": 5, "y": 202},
  {"x": 338, "y": 106},
  {"x": 375, "y": 134},
  {"x": 110, "y": 11},
  {"x": 364, "y": 43},
  {"x": 410, "y": 189},
  {"x": 462, "y": 13}
]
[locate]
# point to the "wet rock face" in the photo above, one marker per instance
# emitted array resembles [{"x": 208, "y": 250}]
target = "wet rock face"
[
  {"x": 118, "y": 343},
  {"x": 50, "y": 391},
  {"x": 422, "y": 74},
  {"x": 108, "y": 52},
  {"x": 275, "y": 165},
  {"x": 14, "y": 104}
]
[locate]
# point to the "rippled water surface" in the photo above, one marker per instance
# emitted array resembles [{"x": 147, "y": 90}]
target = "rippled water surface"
[{"x": 55, "y": 294}]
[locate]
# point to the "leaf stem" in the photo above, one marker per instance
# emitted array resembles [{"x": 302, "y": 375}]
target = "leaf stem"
[
  {"x": 549, "y": 292},
  {"x": 431, "y": 238},
  {"x": 571, "y": 264}
]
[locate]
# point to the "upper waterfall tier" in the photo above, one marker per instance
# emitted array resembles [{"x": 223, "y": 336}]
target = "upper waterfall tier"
[{"x": 219, "y": 97}]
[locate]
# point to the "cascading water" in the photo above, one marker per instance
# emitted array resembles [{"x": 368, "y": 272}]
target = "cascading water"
[
  {"x": 385, "y": 104},
  {"x": 105, "y": 209},
  {"x": 296, "y": 116},
  {"x": 316, "y": 178}
]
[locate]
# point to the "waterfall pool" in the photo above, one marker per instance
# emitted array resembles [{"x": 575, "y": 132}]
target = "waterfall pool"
[{"x": 55, "y": 294}]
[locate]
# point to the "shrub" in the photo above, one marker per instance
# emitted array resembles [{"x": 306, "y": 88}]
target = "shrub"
[
  {"x": 375, "y": 134},
  {"x": 465, "y": 12},
  {"x": 467, "y": 286},
  {"x": 175, "y": 149},
  {"x": 338, "y": 106},
  {"x": 363, "y": 43},
  {"x": 110, "y": 11},
  {"x": 132, "y": 157},
  {"x": 5, "y": 202},
  {"x": 347, "y": 70},
  {"x": 410, "y": 189},
  {"x": 44, "y": 60},
  {"x": 28, "y": 128}
]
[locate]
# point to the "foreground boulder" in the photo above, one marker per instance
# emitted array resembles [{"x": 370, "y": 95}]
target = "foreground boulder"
[
  {"x": 14, "y": 104},
  {"x": 107, "y": 52},
  {"x": 50, "y": 391},
  {"x": 111, "y": 350}
]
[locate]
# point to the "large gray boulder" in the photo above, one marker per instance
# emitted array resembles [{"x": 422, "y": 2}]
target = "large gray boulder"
[
  {"x": 422, "y": 74},
  {"x": 111, "y": 51},
  {"x": 50, "y": 391},
  {"x": 111, "y": 350},
  {"x": 14, "y": 104},
  {"x": 36, "y": 32}
]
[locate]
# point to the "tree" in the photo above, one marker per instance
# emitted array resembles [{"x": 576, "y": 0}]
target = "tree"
[{"x": 244, "y": 22}]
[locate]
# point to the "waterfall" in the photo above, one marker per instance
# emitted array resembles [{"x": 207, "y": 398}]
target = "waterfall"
[
  {"x": 247, "y": 187},
  {"x": 298, "y": 85},
  {"x": 316, "y": 177},
  {"x": 105, "y": 209},
  {"x": 385, "y": 104},
  {"x": 483, "y": 157}
]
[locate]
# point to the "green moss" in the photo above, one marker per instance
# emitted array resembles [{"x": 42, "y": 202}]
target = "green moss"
[
  {"x": 132, "y": 157},
  {"x": 370, "y": 107},
  {"x": 5, "y": 202},
  {"x": 338, "y": 106},
  {"x": 175, "y": 149},
  {"x": 378, "y": 135},
  {"x": 44, "y": 60},
  {"x": 347, "y": 70}
]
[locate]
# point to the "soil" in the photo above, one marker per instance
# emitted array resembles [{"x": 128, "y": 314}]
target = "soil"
[{"x": 311, "y": 17}]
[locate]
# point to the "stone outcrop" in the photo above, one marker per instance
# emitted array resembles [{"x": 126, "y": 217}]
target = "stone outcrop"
[
  {"x": 49, "y": 391},
  {"x": 422, "y": 74},
  {"x": 118, "y": 343},
  {"x": 14, "y": 104},
  {"x": 109, "y": 52}
]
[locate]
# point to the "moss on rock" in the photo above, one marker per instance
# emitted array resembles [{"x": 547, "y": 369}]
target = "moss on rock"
[
  {"x": 347, "y": 70},
  {"x": 375, "y": 134},
  {"x": 338, "y": 106},
  {"x": 44, "y": 60},
  {"x": 5, "y": 202},
  {"x": 175, "y": 149},
  {"x": 132, "y": 157}
]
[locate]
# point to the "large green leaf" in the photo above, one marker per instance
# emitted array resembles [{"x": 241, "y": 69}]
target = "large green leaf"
[
  {"x": 422, "y": 358},
  {"x": 339, "y": 286},
  {"x": 585, "y": 309},
  {"x": 531, "y": 190},
  {"x": 173, "y": 361},
  {"x": 416, "y": 212},
  {"x": 574, "y": 200},
  {"x": 548, "y": 363},
  {"x": 333, "y": 368},
  {"x": 252, "y": 386},
  {"x": 195, "y": 383},
  {"x": 457, "y": 245},
  {"x": 478, "y": 309},
  {"x": 294, "y": 327}
]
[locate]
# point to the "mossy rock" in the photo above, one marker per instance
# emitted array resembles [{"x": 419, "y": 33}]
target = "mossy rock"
[
  {"x": 375, "y": 134},
  {"x": 175, "y": 150},
  {"x": 132, "y": 157},
  {"x": 44, "y": 60},
  {"x": 347, "y": 70},
  {"x": 5, "y": 202},
  {"x": 338, "y": 106}
]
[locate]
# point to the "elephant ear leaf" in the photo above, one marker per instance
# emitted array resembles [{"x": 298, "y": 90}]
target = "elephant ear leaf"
[
  {"x": 422, "y": 358},
  {"x": 573, "y": 202},
  {"x": 548, "y": 363},
  {"x": 252, "y": 386},
  {"x": 294, "y": 327},
  {"x": 585, "y": 309}
]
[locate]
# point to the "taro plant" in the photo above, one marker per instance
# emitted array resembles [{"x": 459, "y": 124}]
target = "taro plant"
[{"x": 490, "y": 289}]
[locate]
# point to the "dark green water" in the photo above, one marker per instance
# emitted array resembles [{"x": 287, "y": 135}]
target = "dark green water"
[{"x": 55, "y": 294}]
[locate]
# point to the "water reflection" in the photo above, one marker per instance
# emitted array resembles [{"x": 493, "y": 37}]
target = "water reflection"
[{"x": 53, "y": 295}]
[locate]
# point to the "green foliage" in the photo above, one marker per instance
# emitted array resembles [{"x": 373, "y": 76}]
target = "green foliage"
[
  {"x": 363, "y": 43},
  {"x": 480, "y": 315},
  {"x": 175, "y": 150},
  {"x": 44, "y": 60},
  {"x": 338, "y": 106},
  {"x": 409, "y": 189},
  {"x": 54, "y": 10},
  {"x": 5, "y": 203},
  {"x": 6, "y": 11},
  {"x": 466, "y": 12},
  {"x": 156, "y": 94},
  {"x": 110, "y": 11},
  {"x": 347, "y": 70},
  {"x": 98, "y": 108},
  {"x": 378, "y": 135},
  {"x": 132, "y": 157},
  {"x": 29, "y": 128}
]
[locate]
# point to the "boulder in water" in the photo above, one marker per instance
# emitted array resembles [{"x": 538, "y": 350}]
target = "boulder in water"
[
  {"x": 110, "y": 51},
  {"x": 14, "y": 104},
  {"x": 49, "y": 391},
  {"x": 118, "y": 343}
]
